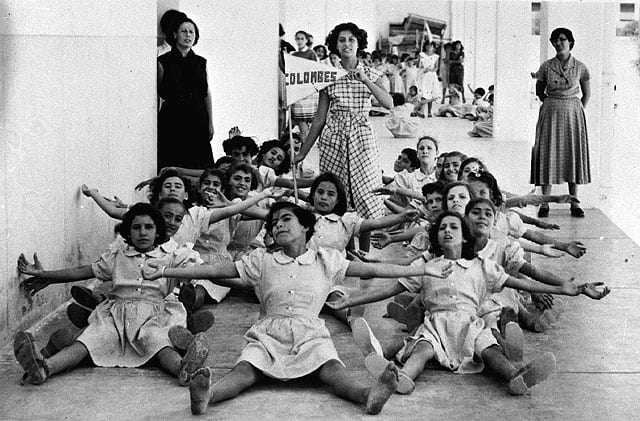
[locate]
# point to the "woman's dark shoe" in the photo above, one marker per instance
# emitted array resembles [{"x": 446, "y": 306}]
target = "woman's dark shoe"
[
  {"x": 84, "y": 296},
  {"x": 577, "y": 212},
  {"x": 78, "y": 315},
  {"x": 543, "y": 211}
]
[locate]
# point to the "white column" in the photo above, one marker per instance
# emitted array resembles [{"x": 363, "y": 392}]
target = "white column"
[{"x": 512, "y": 75}]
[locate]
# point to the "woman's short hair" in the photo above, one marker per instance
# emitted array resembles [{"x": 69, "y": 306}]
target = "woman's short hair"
[
  {"x": 341, "y": 200},
  {"x": 412, "y": 155},
  {"x": 332, "y": 38},
  {"x": 555, "y": 34},
  {"x": 431, "y": 139},
  {"x": 144, "y": 209},
  {"x": 171, "y": 38},
  {"x": 306, "y": 218}
]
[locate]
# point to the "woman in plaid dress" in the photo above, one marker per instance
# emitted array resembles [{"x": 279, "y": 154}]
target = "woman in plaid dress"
[
  {"x": 348, "y": 146},
  {"x": 561, "y": 152}
]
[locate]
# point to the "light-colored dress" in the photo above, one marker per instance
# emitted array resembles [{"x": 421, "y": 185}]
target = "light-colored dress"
[
  {"x": 451, "y": 324},
  {"x": 400, "y": 123},
  {"x": 430, "y": 88},
  {"x": 561, "y": 151},
  {"x": 290, "y": 340},
  {"x": 411, "y": 78},
  {"x": 334, "y": 231},
  {"x": 509, "y": 223},
  {"x": 347, "y": 144},
  {"x": 132, "y": 324},
  {"x": 413, "y": 181}
]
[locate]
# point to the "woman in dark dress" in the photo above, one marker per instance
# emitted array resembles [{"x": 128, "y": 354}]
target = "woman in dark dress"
[
  {"x": 185, "y": 126},
  {"x": 456, "y": 66}
]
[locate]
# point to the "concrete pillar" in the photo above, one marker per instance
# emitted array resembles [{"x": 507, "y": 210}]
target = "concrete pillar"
[
  {"x": 593, "y": 27},
  {"x": 511, "y": 103}
]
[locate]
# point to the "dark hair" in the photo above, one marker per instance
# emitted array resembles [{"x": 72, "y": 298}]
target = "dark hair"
[
  {"x": 171, "y": 38},
  {"x": 555, "y": 34},
  {"x": 341, "y": 201},
  {"x": 421, "y": 138},
  {"x": 451, "y": 185},
  {"x": 398, "y": 99},
  {"x": 144, "y": 209},
  {"x": 222, "y": 161},
  {"x": 324, "y": 51},
  {"x": 490, "y": 181},
  {"x": 491, "y": 87},
  {"x": 477, "y": 200},
  {"x": 214, "y": 172},
  {"x": 168, "y": 24},
  {"x": 281, "y": 31},
  {"x": 471, "y": 160},
  {"x": 479, "y": 91},
  {"x": 332, "y": 38},
  {"x": 306, "y": 218},
  {"x": 275, "y": 143},
  {"x": 451, "y": 154},
  {"x": 238, "y": 142},
  {"x": 453, "y": 45},
  {"x": 239, "y": 166},
  {"x": 412, "y": 155},
  {"x": 435, "y": 187},
  {"x": 447, "y": 44},
  {"x": 169, "y": 201},
  {"x": 156, "y": 186},
  {"x": 468, "y": 243}
]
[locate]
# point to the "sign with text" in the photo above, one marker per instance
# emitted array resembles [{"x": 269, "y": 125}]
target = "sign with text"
[{"x": 304, "y": 77}]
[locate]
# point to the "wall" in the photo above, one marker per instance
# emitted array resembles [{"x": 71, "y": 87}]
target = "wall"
[{"x": 77, "y": 105}]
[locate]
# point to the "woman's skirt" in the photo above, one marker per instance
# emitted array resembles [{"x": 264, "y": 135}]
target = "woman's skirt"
[{"x": 561, "y": 152}]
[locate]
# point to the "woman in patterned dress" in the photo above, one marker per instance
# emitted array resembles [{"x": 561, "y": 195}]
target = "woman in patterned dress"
[
  {"x": 561, "y": 152},
  {"x": 348, "y": 146}
]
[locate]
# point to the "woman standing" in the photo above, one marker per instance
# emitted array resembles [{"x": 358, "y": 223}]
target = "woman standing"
[
  {"x": 185, "y": 126},
  {"x": 561, "y": 152},
  {"x": 348, "y": 146},
  {"x": 303, "y": 111},
  {"x": 456, "y": 66}
]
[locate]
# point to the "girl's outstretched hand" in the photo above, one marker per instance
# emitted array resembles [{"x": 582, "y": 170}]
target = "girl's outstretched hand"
[
  {"x": 153, "y": 269},
  {"x": 363, "y": 256},
  {"x": 274, "y": 192},
  {"x": 87, "y": 191},
  {"x": 380, "y": 240},
  {"x": 34, "y": 284},
  {"x": 593, "y": 292},
  {"x": 549, "y": 251},
  {"x": 440, "y": 273},
  {"x": 341, "y": 303},
  {"x": 576, "y": 249},
  {"x": 27, "y": 268},
  {"x": 411, "y": 214},
  {"x": 386, "y": 191}
]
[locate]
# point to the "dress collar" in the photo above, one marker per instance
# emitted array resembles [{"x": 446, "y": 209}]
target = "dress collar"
[
  {"x": 158, "y": 251},
  {"x": 330, "y": 216},
  {"x": 307, "y": 258},
  {"x": 488, "y": 250},
  {"x": 460, "y": 262}
]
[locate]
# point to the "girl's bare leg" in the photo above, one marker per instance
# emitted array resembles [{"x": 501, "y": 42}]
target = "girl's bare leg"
[
  {"x": 498, "y": 362},
  {"x": 520, "y": 381},
  {"x": 67, "y": 358},
  {"x": 335, "y": 375},
  {"x": 203, "y": 393},
  {"x": 422, "y": 353},
  {"x": 170, "y": 360}
]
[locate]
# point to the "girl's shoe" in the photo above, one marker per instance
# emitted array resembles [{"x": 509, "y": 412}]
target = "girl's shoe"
[
  {"x": 78, "y": 315},
  {"x": 197, "y": 353},
  {"x": 84, "y": 296},
  {"x": 514, "y": 342},
  {"x": 543, "y": 211},
  {"x": 30, "y": 358},
  {"x": 364, "y": 338},
  {"x": 577, "y": 212},
  {"x": 533, "y": 373}
]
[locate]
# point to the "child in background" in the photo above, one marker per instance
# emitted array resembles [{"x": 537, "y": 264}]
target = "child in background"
[
  {"x": 410, "y": 74},
  {"x": 240, "y": 148},
  {"x": 417, "y": 101},
  {"x": 484, "y": 126},
  {"x": 400, "y": 124},
  {"x": 454, "y": 108},
  {"x": 133, "y": 302},
  {"x": 469, "y": 110},
  {"x": 443, "y": 69},
  {"x": 430, "y": 86},
  {"x": 274, "y": 161}
]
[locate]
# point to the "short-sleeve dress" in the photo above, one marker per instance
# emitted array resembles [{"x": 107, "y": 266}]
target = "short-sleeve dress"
[
  {"x": 561, "y": 151},
  {"x": 451, "y": 324},
  {"x": 335, "y": 231},
  {"x": 183, "y": 121},
  {"x": 429, "y": 84},
  {"x": 290, "y": 340},
  {"x": 347, "y": 143},
  {"x": 132, "y": 324}
]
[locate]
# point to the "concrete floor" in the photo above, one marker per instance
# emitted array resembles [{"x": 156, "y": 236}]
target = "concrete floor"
[{"x": 597, "y": 346}]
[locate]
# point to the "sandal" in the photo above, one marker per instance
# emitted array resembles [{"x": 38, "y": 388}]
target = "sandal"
[
  {"x": 196, "y": 355},
  {"x": 30, "y": 358}
]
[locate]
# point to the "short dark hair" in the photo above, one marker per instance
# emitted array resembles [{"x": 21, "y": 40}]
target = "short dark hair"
[
  {"x": 398, "y": 99},
  {"x": 214, "y": 172},
  {"x": 360, "y": 34},
  {"x": 306, "y": 218},
  {"x": 451, "y": 185},
  {"x": 144, "y": 209},
  {"x": 480, "y": 91},
  {"x": 468, "y": 243},
  {"x": 471, "y": 160},
  {"x": 490, "y": 181},
  {"x": 240, "y": 166},
  {"x": 156, "y": 186},
  {"x": 341, "y": 202},
  {"x": 555, "y": 34},
  {"x": 477, "y": 200},
  {"x": 171, "y": 39},
  {"x": 168, "y": 24},
  {"x": 412, "y": 155},
  {"x": 222, "y": 161},
  {"x": 237, "y": 142},
  {"x": 435, "y": 187},
  {"x": 275, "y": 143}
]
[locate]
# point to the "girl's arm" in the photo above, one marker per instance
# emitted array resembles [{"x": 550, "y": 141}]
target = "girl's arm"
[
  {"x": 160, "y": 76},
  {"x": 567, "y": 288},
  {"x": 301, "y": 182},
  {"x": 383, "y": 239},
  {"x": 390, "y": 190},
  {"x": 543, "y": 249},
  {"x": 536, "y": 222},
  {"x": 586, "y": 92},
  {"x": 106, "y": 205},
  {"x": 316, "y": 126},
  {"x": 363, "y": 256},
  {"x": 221, "y": 273},
  {"x": 538, "y": 199},
  {"x": 43, "y": 278},
  {"x": 377, "y": 270},
  {"x": 358, "y": 298},
  {"x": 376, "y": 89},
  {"x": 541, "y": 275},
  {"x": 228, "y": 211},
  {"x": 574, "y": 248},
  {"x": 387, "y": 221}
]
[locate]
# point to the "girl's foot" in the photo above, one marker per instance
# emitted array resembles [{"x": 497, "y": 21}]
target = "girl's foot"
[
  {"x": 533, "y": 373},
  {"x": 30, "y": 358},
  {"x": 381, "y": 391},
  {"x": 78, "y": 315},
  {"x": 377, "y": 364},
  {"x": 403, "y": 299},
  {"x": 180, "y": 337},
  {"x": 85, "y": 297},
  {"x": 59, "y": 339},
  {"x": 196, "y": 355},
  {"x": 200, "y": 321},
  {"x": 199, "y": 390},
  {"x": 364, "y": 337},
  {"x": 543, "y": 211},
  {"x": 514, "y": 342}
]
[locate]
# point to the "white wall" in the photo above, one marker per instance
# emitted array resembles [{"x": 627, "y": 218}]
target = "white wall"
[{"x": 77, "y": 105}]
